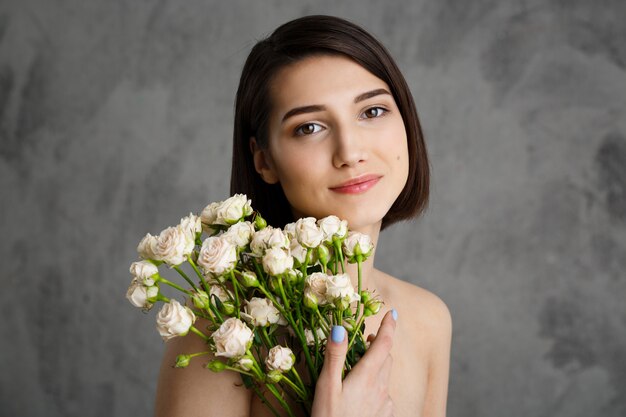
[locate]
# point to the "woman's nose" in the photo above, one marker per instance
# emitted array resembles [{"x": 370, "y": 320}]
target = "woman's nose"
[{"x": 349, "y": 148}]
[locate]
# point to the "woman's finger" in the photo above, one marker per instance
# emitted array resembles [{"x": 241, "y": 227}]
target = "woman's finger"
[
  {"x": 381, "y": 345},
  {"x": 335, "y": 356}
]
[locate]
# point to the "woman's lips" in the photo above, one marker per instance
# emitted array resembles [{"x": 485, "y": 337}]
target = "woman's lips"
[{"x": 357, "y": 186}]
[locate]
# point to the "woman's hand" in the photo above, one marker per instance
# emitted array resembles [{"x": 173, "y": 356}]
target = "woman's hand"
[{"x": 365, "y": 391}]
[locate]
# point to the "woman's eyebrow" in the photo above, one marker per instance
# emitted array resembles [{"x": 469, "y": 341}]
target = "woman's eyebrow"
[
  {"x": 371, "y": 94},
  {"x": 318, "y": 107},
  {"x": 301, "y": 110}
]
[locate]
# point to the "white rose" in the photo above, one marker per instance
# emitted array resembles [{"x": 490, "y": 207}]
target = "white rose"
[
  {"x": 171, "y": 246},
  {"x": 307, "y": 233},
  {"x": 217, "y": 255},
  {"x": 357, "y": 243},
  {"x": 138, "y": 294},
  {"x": 208, "y": 218},
  {"x": 191, "y": 226},
  {"x": 144, "y": 270},
  {"x": 290, "y": 230},
  {"x": 144, "y": 249},
  {"x": 332, "y": 226},
  {"x": 266, "y": 238},
  {"x": 317, "y": 284},
  {"x": 261, "y": 312},
  {"x": 276, "y": 261},
  {"x": 233, "y": 209},
  {"x": 245, "y": 363},
  {"x": 298, "y": 251},
  {"x": 222, "y": 294},
  {"x": 174, "y": 320},
  {"x": 280, "y": 358},
  {"x": 232, "y": 339},
  {"x": 240, "y": 234},
  {"x": 310, "y": 340},
  {"x": 339, "y": 286}
]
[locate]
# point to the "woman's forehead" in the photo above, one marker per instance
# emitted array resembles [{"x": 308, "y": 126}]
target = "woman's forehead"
[{"x": 319, "y": 80}]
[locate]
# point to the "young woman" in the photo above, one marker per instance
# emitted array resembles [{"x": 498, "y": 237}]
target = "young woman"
[{"x": 325, "y": 124}]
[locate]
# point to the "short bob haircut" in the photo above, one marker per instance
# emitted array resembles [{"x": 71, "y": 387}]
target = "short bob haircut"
[{"x": 293, "y": 41}]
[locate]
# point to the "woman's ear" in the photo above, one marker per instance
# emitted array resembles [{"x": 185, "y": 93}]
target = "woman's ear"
[{"x": 263, "y": 163}]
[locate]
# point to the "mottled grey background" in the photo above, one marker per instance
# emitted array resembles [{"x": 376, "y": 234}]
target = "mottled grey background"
[{"x": 116, "y": 119}]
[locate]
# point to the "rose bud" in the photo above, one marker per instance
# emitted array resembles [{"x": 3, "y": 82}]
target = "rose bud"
[
  {"x": 216, "y": 365},
  {"x": 247, "y": 278},
  {"x": 310, "y": 299},
  {"x": 323, "y": 254},
  {"x": 274, "y": 376},
  {"x": 182, "y": 361},
  {"x": 259, "y": 222},
  {"x": 200, "y": 299},
  {"x": 373, "y": 306}
]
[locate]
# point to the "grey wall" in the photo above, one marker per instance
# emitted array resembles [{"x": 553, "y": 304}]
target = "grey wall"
[{"x": 116, "y": 119}]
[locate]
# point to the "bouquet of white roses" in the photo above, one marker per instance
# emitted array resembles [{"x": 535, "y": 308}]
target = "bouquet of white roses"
[{"x": 270, "y": 296}]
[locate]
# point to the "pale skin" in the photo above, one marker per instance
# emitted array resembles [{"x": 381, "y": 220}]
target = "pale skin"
[{"x": 405, "y": 371}]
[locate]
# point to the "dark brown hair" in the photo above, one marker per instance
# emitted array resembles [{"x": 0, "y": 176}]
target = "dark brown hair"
[{"x": 301, "y": 38}]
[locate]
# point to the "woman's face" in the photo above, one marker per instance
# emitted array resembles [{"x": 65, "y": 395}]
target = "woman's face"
[{"x": 333, "y": 122}]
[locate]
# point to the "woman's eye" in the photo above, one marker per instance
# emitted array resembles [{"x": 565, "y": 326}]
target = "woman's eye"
[
  {"x": 308, "y": 129},
  {"x": 374, "y": 112}
]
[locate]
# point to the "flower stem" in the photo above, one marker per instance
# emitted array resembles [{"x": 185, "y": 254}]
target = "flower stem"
[
  {"x": 241, "y": 371},
  {"x": 199, "y": 333},
  {"x": 234, "y": 280},
  {"x": 182, "y": 274},
  {"x": 294, "y": 387},
  {"x": 323, "y": 322},
  {"x": 299, "y": 381},
  {"x": 198, "y": 273},
  {"x": 356, "y": 331},
  {"x": 280, "y": 399},
  {"x": 359, "y": 260},
  {"x": 174, "y": 285},
  {"x": 266, "y": 338},
  {"x": 264, "y": 401}
]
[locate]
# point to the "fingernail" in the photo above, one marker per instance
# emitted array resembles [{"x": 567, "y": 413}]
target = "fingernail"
[
  {"x": 337, "y": 334},
  {"x": 394, "y": 314}
]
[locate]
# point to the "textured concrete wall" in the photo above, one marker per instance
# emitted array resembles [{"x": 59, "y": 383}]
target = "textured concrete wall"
[{"x": 115, "y": 120}]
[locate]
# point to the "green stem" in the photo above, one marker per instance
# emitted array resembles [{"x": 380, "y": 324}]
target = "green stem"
[
  {"x": 282, "y": 293},
  {"x": 323, "y": 321},
  {"x": 294, "y": 387},
  {"x": 298, "y": 379},
  {"x": 182, "y": 274},
  {"x": 280, "y": 399},
  {"x": 357, "y": 330},
  {"x": 234, "y": 280},
  {"x": 199, "y": 333},
  {"x": 266, "y": 338},
  {"x": 174, "y": 285},
  {"x": 358, "y": 303},
  {"x": 264, "y": 401},
  {"x": 241, "y": 371},
  {"x": 199, "y": 274}
]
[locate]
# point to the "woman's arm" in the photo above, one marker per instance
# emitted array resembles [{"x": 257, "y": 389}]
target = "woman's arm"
[
  {"x": 440, "y": 331},
  {"x": 196, "y": 391}
]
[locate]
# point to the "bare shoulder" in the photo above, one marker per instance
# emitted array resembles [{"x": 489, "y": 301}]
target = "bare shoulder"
[
  {"x": 425, "y": 312},
  {"x": 193, "y": 390}
]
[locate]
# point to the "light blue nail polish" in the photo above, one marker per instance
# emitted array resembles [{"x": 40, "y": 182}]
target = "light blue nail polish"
[
  {"x": 337, "y": 334},
  {"x": 394, "y": 313}
]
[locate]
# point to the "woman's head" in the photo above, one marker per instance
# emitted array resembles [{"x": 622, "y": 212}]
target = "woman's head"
[{"x": 318, "y": 39}]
